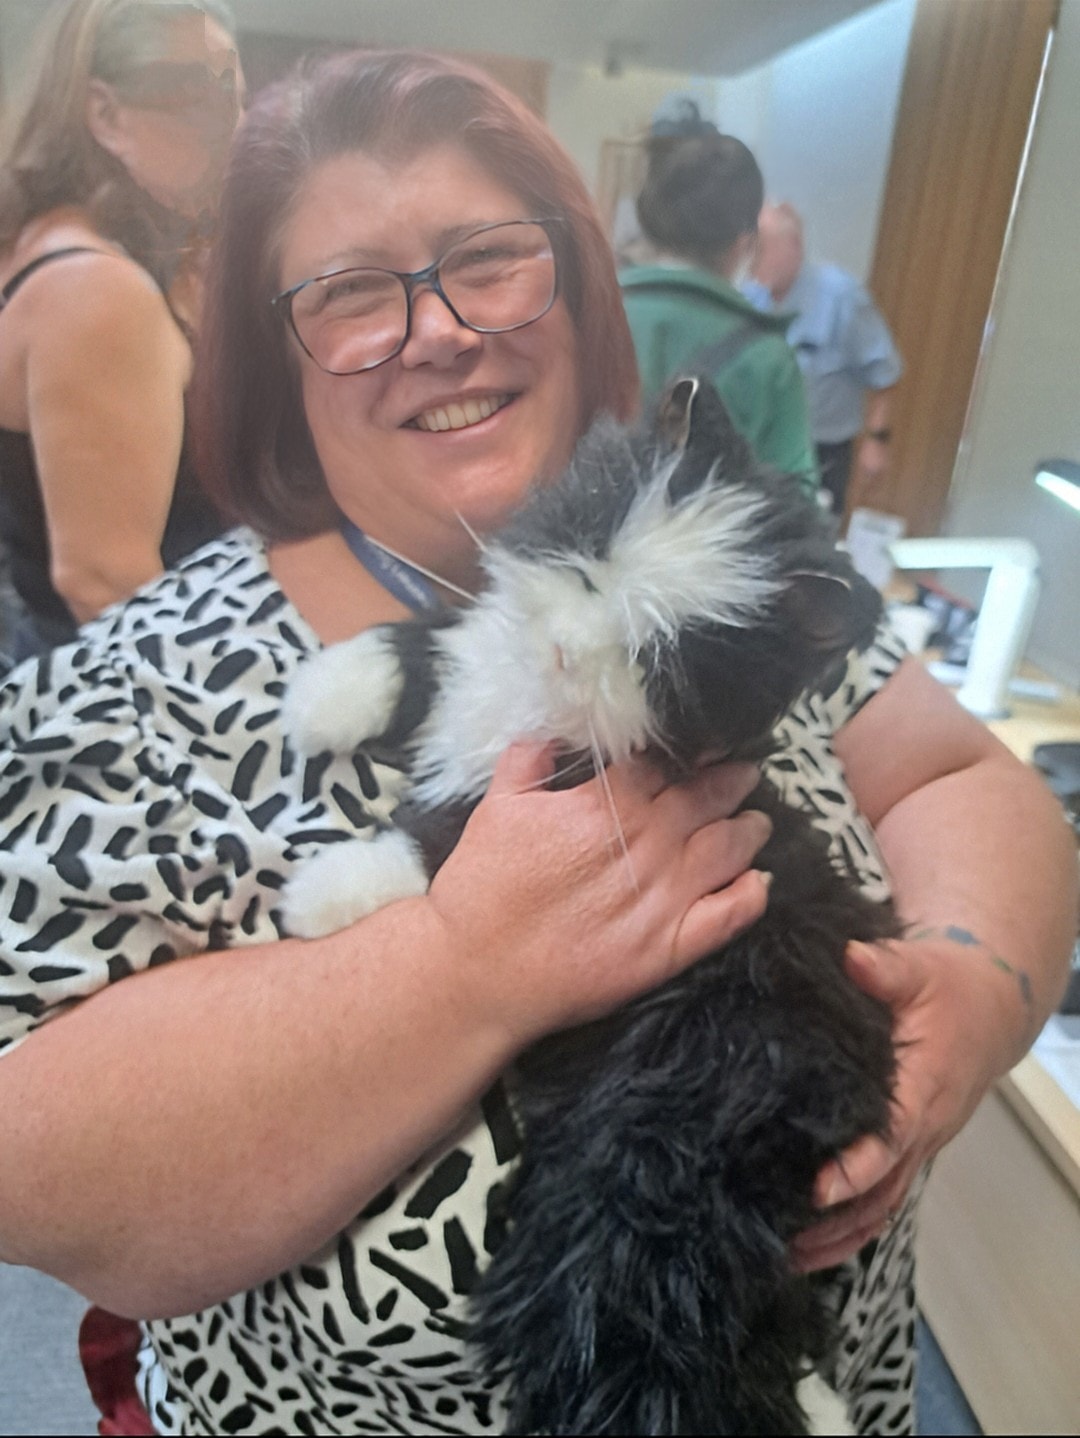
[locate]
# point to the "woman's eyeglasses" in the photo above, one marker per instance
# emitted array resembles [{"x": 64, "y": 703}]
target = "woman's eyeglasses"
[
  {"x": 501, "y": 277},
  {"x": 187, "y": 90}
]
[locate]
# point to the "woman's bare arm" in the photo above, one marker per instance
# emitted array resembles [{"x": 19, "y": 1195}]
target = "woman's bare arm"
[
  {"x": 984, "y": 870},
  {"x": 106, "y": 368},
  {"x": 975, "y": 842},
  {"x": 196, "y": 1128}
]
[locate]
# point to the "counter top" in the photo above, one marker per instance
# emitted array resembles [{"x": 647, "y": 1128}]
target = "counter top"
[{"x": 1029, "y": 1089}]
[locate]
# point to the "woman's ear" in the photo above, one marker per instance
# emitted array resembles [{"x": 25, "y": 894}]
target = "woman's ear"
[{"x": 105, "y": 119}]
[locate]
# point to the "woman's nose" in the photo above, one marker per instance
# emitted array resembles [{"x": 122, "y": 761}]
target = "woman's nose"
[{"x": 436, "y": 335}]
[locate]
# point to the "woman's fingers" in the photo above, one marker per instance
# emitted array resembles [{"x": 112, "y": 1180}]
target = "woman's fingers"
[
  {"x": 524, "y": 766},
  {"x": 721, "y": 851},
  {"x": 893, "y": 974},
  {"x": 844, "y": 1231},
  {"x": 726, "y": 785},
  {"x": 861, "y": 1191},
  {"x": 857, "y": 1170},
  {"x": 565, "y": 904},
  {"x": 718, "y": 918}
]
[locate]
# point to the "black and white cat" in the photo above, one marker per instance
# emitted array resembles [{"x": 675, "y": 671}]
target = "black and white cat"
[{"x": 667, "y": 595}]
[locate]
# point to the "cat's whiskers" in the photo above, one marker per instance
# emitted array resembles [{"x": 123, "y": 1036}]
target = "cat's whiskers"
[
  {"x": 581, "y": 762},
  {"x": 467, "y": 527},
  {"x": 600, "y": 770}
]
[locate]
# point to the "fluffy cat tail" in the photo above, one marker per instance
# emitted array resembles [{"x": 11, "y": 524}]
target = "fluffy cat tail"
[{"x": 646, "y": 1287}]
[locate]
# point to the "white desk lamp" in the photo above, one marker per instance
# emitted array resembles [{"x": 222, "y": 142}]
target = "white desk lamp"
[
  {"x": 1004, "y": 621},
  {"x": 1061, "y": 478}
]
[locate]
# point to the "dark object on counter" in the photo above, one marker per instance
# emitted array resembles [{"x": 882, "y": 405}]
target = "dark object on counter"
[
  {"x": 955, "y": 623},
  {"x": 1059, "y": 765},
  {"x": 1070, "y": 1004}
]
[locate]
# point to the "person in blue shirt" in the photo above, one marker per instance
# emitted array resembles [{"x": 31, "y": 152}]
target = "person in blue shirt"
[{"x": 843, "y": 345}]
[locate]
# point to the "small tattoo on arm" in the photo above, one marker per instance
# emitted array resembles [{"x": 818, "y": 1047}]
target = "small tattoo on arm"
[{"x": 957, "y": 935}]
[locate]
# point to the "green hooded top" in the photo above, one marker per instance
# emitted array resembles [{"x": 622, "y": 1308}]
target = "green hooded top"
[{"x": 676, "y": 314}]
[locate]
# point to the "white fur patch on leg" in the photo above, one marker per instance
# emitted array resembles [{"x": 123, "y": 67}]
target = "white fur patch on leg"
[
  {"x": 348, "y": 881},
  {"x": 826, "y": 1412},
  {"x": 343, "y": 695}
]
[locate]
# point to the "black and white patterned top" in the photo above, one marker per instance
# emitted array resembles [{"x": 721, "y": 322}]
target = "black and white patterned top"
[{"x": 151, "y": 808}]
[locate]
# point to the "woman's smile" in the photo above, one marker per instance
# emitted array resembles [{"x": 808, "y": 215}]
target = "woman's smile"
[{"x": 466, "y": 413}]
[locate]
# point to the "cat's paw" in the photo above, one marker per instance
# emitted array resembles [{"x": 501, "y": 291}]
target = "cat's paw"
[
  {"x": 347, "y": 881},
  {"x": 344, "y": 695},
  {"x": 826, "y": 1412}
]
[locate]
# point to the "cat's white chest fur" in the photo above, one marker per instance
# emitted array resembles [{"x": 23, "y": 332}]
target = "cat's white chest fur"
[
  {"x": 542, "y": 654},
  {"x": 551, "y": 650}
]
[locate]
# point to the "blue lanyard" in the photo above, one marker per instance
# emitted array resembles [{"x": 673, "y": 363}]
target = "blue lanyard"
[{"x": 396, "y": 576}]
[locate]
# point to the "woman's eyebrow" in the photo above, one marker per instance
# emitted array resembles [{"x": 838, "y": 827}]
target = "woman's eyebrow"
[{"x": 361, "y": 256}]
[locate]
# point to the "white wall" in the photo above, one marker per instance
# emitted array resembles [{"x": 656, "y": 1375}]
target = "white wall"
[
  {"x": 586, "y": 106},
  {"x": 820, "y": 119},
  {"x": 18, "y": 21},
  {"x": 1026, "y": 403}
]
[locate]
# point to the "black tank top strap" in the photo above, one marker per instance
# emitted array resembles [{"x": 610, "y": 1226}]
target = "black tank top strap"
[{"x": 27, "y": 270}]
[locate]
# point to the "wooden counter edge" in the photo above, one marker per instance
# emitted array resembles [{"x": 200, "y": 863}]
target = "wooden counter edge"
[{"x": 1047, "y": 1111}]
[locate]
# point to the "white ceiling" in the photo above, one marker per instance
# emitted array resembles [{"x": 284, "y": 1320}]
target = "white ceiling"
[{"x": 699, "y": 37}]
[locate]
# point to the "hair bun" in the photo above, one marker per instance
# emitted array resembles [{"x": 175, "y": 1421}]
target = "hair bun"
[{"x": 680, "y": 117}]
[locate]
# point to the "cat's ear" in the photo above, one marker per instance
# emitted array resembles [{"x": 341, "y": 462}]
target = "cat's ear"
[
  {"x": 692, "y": 422},
  {"x": 674, "y": 413},
  {"x": 690, "y": 410},
  {"x": 834, "y": 612}
]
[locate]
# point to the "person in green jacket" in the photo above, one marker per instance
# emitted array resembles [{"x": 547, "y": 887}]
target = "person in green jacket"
[{"x": 699, "y": 208}]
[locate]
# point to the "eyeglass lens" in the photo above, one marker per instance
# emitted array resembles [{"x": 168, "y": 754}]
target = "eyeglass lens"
[{"x": 497, "y": 279}]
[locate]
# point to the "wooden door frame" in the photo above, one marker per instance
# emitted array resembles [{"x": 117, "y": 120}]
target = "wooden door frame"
[{"x": 966, "y": 103}]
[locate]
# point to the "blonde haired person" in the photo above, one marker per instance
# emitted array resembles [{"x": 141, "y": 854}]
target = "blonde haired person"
[{"x": 109, "y": 182}]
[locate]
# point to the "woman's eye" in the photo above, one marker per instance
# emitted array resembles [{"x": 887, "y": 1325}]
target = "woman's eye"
[
  {"x": 481, "y": 258},
  {"x": 357, "y": 293}
]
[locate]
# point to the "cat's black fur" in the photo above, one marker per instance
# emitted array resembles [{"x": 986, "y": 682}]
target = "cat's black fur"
[{"x": 670, "y": 1149}]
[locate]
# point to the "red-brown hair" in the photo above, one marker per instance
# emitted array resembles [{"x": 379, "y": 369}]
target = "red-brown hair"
[{"x": 255, "y": 448}]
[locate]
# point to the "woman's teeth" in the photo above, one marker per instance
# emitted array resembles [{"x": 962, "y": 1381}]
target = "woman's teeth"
[{"x": 460, "y": 416}]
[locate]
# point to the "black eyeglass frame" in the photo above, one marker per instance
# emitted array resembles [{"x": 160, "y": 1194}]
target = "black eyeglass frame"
[{"x": 413, "y": 280}]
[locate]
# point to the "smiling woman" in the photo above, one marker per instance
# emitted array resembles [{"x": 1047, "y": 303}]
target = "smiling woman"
[
  {"x": 289, "y": 1158},
  {"x": 449, "y": 421}
]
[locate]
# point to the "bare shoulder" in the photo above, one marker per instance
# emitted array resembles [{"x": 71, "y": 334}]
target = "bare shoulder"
[
  {"x": 101, "y": 319},
  {"x": 84, "y": 290},
  {"x": 96, "y": 275}
]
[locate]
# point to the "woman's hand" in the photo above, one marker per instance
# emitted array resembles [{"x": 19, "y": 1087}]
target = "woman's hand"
[
  {"x": 561, "y": 905},
  {"x": 947, "y": 996}
]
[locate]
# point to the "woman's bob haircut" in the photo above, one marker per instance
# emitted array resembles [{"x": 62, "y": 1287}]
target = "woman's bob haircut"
[{"x": 255, "y": 449}]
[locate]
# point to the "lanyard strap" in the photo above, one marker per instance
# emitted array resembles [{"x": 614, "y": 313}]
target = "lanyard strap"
[{"x": 400, "y": 578}]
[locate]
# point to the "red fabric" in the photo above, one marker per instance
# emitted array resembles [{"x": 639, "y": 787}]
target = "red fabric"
[{"x": 108, "y": 1346}]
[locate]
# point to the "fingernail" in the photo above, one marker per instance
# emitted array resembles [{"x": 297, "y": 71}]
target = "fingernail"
[
  {"x": 838, "y": 1190},
  {"x": 862, "y": 951},
  {"x": 766, "y": 876}
]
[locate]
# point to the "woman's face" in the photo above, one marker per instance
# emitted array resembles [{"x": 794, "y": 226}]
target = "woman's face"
[
  {"x": 170, "y": 123},
  {"x": 511, "y": 399}
]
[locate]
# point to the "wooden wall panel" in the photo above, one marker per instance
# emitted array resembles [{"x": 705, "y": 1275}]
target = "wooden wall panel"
[{"x": 965, "y": 107}]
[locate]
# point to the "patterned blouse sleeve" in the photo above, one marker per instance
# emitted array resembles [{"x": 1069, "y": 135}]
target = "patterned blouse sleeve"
[
  {"x": 113, "y": 856},
  {"x": 866, "y": 672}
]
